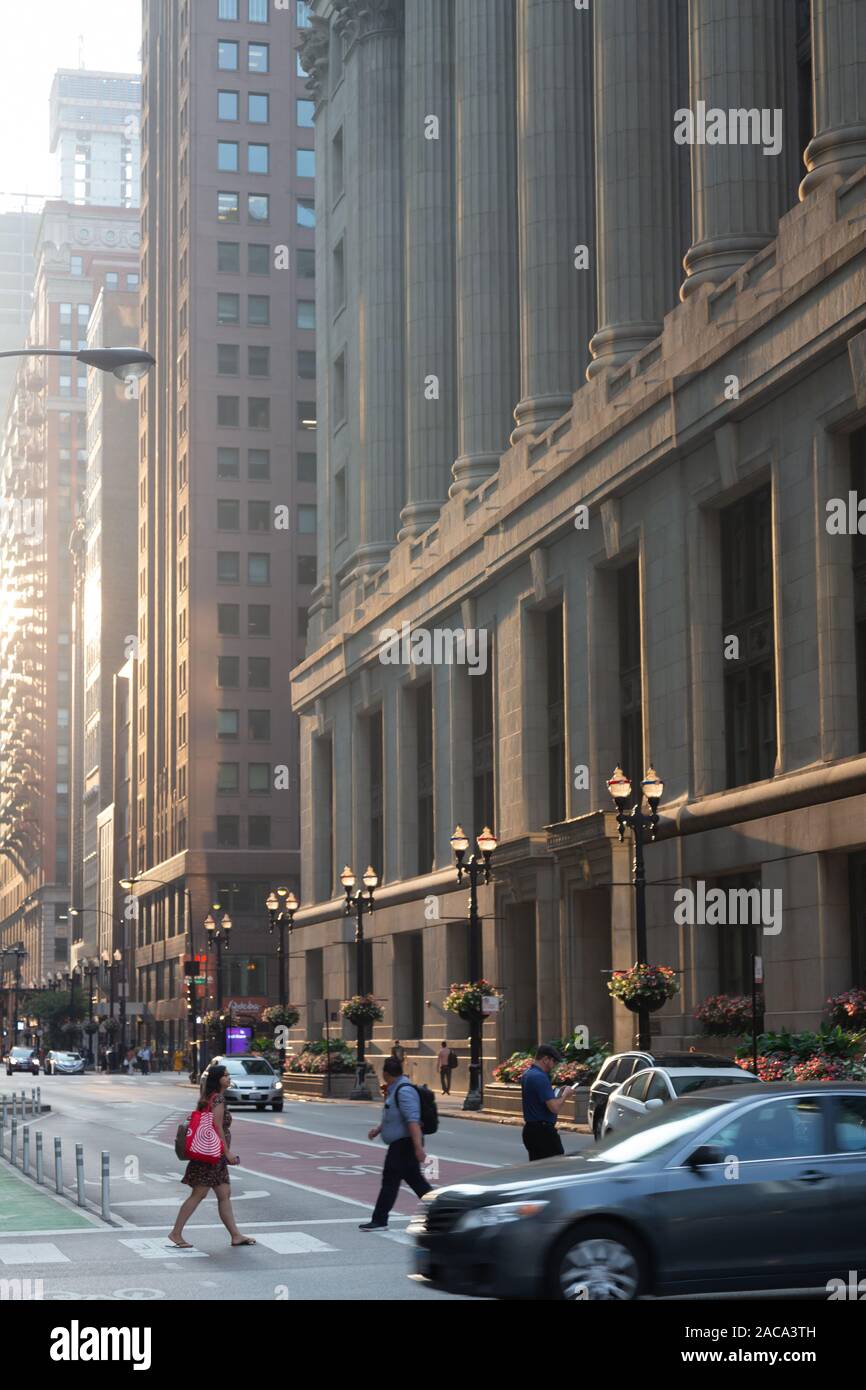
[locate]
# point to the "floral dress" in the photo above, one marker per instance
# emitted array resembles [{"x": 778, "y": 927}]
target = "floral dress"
[{"x": 200, "y": 1174}]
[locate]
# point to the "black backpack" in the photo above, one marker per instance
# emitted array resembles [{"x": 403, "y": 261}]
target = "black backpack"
[
  {"x": 453, "y": 1060},
  {"x": 429, "y": 1110}
]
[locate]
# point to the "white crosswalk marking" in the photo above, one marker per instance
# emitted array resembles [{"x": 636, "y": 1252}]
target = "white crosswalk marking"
[
  {"x": 32, "y": 1254},
  {"x": 156, "y": 1249},
  {"x": 293, "y": 1243},
  {"x": 398, "y": 1237}
]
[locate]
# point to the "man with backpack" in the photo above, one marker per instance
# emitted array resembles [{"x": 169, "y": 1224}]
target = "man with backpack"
[{"x": 408, "y": 1114}]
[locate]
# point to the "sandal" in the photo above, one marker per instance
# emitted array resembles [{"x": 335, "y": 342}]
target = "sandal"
[
  {"x": 244, "y": 1240},
  {"x": 180, "y": 1244}
]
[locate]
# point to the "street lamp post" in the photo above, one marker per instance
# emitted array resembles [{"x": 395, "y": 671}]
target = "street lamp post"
[
  {"x": 90, "y": 969},
  {"x": 282, "y": 906},
  {"x": 122, "y": 362},
  {"x": 474, "y": 869},
  {"x": 640, "y": 825},
  {"x": 219, "y": 935},
  {"x": 20, "y": 954},
  {"x": 358, "y": 904}
]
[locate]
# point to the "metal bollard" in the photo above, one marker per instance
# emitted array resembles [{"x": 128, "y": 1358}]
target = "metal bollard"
[
  {"x": 3, "y": 1104},
  {"x": 39, "y": 1100},
  {"x": 25, "y": 1151},
  {"x": 79, "y": 1173},
  {"x": 58, "y": 1165},
  {"x": 2, "y": 1129},
  {"x": 15, "y": 1105},
  {"x": 13, "y": 1144},
  {"x": 33, "y": 1103},
  {"x": 40, "y": 1159},
  {"x": 106, "y": 1193}
]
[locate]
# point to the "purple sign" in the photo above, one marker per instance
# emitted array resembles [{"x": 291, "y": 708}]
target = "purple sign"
[{"x": 238, "y": 1040}]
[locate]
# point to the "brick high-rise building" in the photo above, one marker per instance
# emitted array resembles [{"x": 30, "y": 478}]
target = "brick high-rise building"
[{"x": 227, "y": 514}]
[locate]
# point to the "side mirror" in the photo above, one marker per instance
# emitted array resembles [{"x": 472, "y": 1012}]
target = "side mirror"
[
  {"x": 654, "y": 1104},
  {"x": 704, "y": 1156}
]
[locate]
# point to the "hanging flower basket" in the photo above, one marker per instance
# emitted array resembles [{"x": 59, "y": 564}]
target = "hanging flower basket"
[
  {"x": 281, "y": 1015},
  {"x": 465, "y": 1000},
  {"x": 727, "y": 1015},
  {"x": 644, "y": 986},
  {"x": 362, "y": 1009},
  {"x": 213, "y": 1025}
]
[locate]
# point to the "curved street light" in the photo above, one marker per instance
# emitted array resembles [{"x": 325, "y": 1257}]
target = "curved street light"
[{"x": 122, "y": 362}]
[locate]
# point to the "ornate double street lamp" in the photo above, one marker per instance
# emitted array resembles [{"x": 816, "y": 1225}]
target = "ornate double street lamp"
[
  {"x": 474, "y": 869},
  {"x": 652, "y": 788},
  {"x": 282, "y": 906},
  {"x": 220, "y": 936},
  {"x": 89, "y": 967},
  {"x": 20, "y": 954},
  {"x": 357, "y": 904}
]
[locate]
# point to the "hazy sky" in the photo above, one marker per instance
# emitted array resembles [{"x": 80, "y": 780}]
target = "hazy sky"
[{"x": 36, "y": 38}]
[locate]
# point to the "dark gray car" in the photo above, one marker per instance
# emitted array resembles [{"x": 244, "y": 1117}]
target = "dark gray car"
[{"x": 762, "y": 1188}]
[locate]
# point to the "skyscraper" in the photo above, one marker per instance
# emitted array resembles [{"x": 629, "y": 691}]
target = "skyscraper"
[
  {"x": 227, "y": 514},
  {"x": 95, "y": 136}
]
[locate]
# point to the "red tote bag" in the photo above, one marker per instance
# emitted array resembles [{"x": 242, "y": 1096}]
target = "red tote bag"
[{"x": 203, "y": 1144}]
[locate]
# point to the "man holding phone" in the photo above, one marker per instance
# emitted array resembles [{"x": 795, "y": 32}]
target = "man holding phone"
[{"x": 541, "y": 1105}]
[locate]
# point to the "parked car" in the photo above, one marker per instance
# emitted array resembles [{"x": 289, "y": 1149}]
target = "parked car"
[
  {"x": 622, "y": 1065},
  {"x": 253, "y": 1081},
  {"x": 661, "y": 1210},
  {"x": 646, "y": 1090},
  {"x": 63, "y": 1063},
  {"x": 22, "y": 1059}
]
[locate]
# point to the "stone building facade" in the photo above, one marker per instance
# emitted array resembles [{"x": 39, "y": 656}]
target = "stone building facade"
[{"x": 587, "y": 383}]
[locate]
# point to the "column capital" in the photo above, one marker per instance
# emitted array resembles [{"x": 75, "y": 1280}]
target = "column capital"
[
  {"x": 314, "y": 49},
  {"x": 360, "y": 19}
]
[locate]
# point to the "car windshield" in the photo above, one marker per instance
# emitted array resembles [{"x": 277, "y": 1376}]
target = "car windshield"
[
  {"x": 22, "y": 1052},
  {"x": 249, "y": 1066},
  {"x": 654, "y": 1135},
  {"x": 683, "y": 1085}
]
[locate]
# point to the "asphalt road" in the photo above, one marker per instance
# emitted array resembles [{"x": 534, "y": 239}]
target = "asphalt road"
[{"x": 308, "y": 1177}]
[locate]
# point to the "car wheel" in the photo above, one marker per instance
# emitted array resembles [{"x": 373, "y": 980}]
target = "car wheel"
[
  {"x": 596, "y": 1126},
  {"x": 277, "y": 1105},
  {"x": 597, "y": 1261}
]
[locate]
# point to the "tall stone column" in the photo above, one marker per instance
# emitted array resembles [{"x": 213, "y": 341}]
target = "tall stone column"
[
  {"x": 742, "y": 58},
  {"x": 639, "y": 71},
  {"x": 487, "y": 294},
  {"x": 373, "y": 33},
  {"x": 556, "y": 198},
  {"x": 839, "y": 86},
  {"x": 431, "y": 336}
]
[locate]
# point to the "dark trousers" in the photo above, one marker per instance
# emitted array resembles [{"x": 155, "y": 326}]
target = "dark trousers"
[
  {"x": 541, "y": 1140},
  {"x": 445, "y": 1078},
  {"x": 401, "y": 1165}
]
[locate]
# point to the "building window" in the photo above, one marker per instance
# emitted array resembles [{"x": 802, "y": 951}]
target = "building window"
[
  {"x": 630, "y": 689},
  {"x": 257, "y": 11},
  {"x": 305, "y": 164},
  {"x": 229, "y": 619},
  {"x": 228, "y": 567},
  {"x": 555, "y": 714},
  {"x": 228, "y": 207},
  {"x": 258, "y": 207},
  {"x": 228, "y": 832},
  {"x": 258, "y": 569},
  {"x": 258, "y": 57},
  {"x": 228, "y": 412},
  {"x": 228, "y": 359},
  {"x": 259, "y": 465},
  {"x": 228, "y": 308},
  {"x": 112, "y": 280},
  {"x": 303, "y": 14},
  {"x": 227, "y": 156},
  {"x": 337, "y": 168},
  {"x": 228, "y": 464},
  {"x": 228, "y": 106},
  {"x": 259, "y": 310},
  {"x": 259, "y": 620},
  {"x": 258, "y": 259},
  {"x": 228, "y": 9},
  {"x": 259, "y": 832},
  {"x": 258, "y": 778},
  {"x": 229, "y": 257},
  {"x": 377, "y": 840},
  {"x": 424, "y": 756},
  {"x": 76, "y": 265},
  {"x": 857, "y": 913},
  {"x": 258, "y": 108},
  {"x": 747, "y": 615},
  {"x": 305, "y": 262},
  {"x": 341, "y": 515},
  {"x": 259, "y": 361},
  {"x": 228, "y": 516},
  {"x": 340, "y": 391},
  {"x": 307, "y": 415},
  {"x": 228, "y": 723},
  {"x": 228, "y": 672},
  {"x": 306, "y": 569},
  {"x": 259, "y": 413},
  {"x": 306, "y": 212},
  {"x": 306, "y": 316},
  {"x": 259, "y": 725},
  {"x": 481, "y": 688},
  {"x": 307, "y": 515},
  {"x": 306, "y": 113},
  {"x": 258, "y": 672},
  {"x": 307, "y": 366},
  {"x": 228, "y": 778},
  {"x": 338, "y": 263},
  {"x": 737, "y": 942},
  {"x": 258, "y": 516},
  {"x": 258, "y": 159},
  {"x": 858, "y": 557},
  {"x": 306, "y": 468},
  {"x": 227, "y": 55}
]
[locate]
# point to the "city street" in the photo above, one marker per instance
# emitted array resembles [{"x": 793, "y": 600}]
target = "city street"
[{"x": 307, "y": 1178}]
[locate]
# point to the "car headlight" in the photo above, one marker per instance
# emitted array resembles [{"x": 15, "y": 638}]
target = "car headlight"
[
  {"x": 498, "y": 1215},
  {"x": 278, "y": 1085}
]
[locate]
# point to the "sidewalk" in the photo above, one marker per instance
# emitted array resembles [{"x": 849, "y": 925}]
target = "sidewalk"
[
  {"x": 26, "y": 1207},
  {"x": 452, "y": 1106}
]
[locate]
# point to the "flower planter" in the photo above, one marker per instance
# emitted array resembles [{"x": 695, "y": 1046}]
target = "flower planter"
[
  {"x": 505, "y": 1098},
  {"x": 342, "y": 1085}
]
